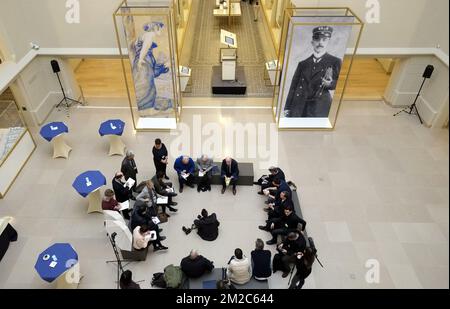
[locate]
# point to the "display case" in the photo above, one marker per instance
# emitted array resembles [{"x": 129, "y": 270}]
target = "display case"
[{"x": 16, "y": 144}]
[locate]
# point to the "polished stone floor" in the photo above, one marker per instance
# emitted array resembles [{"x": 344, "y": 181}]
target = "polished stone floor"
[{"x": 376, "y": 188}]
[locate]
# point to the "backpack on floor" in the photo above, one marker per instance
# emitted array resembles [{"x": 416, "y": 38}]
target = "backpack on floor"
[
  {"x": 173, "y": 276},
  {"x": 277, "y": 263},
  {"x": 159, "y": 280}
]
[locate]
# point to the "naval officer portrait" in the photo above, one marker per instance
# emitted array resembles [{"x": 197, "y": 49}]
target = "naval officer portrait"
[{"x": 317, "y": 75}]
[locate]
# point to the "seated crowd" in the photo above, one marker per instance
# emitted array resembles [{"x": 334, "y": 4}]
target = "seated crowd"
[{"x": 153, "y": 198}]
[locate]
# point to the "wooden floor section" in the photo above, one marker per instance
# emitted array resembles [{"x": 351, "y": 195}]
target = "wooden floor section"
[{"x": 103, "y": 78}]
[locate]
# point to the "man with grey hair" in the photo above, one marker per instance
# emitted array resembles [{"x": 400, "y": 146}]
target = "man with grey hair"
[
  {"x": 195, "y": 265},
  {"x": 261, "y": 259},
  {"x": 229, "y": 174},
  {"x": 129, "y": 168},
  {"x": 204, "y": 166}
]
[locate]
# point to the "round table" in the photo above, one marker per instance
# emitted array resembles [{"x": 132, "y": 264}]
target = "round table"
[
  {"x": 88, "y": 185},
  {"x": 54, "y": 133},
  {"x": 114, "y": 129},
  {"x": 59, "y": 262}
]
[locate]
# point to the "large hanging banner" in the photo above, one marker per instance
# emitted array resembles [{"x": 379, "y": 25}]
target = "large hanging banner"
[
  {"x": 151, "y": 74},
  {"x": 313, "y": 57},
  {"x": 149, "y": 53}
]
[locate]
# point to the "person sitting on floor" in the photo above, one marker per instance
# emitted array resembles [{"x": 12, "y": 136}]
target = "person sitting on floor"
[
  {"x": 289, "y": 222},
  {"x": 266, "y": 181},
  {"x": 195, "y": 265},
  {"x": 207, "y": 226},
  {"x": 239, "y": 268},
  {"x": 123, "y": 193},
  {"x": 126, "y": 281},
  {"x": 229, "y": 174},
  {"x": 110, "y": 203},
  {"x": 185, "y": 168},
  {"x": 204, "y": 167},
  {"x": 261, "y": 262},
  {"x": 142, "y": 236}
]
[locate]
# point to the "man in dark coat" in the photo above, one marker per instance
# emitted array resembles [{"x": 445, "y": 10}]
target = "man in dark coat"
[
  {"x": 160, "y": 157},
  {"x": 129, "y": 168},
  {"x": 229, "y": 169},
  {"x": 207, "y": 226},
  {"x": 314, "y": 78},
  {"x": 195, "y": 265},
  {"x": 289, "y": 222},
  {"x": 266, "y": 181},
  {"x": 121, "y": 192}
]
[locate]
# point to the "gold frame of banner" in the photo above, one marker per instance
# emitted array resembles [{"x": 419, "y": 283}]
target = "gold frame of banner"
[
  {"x": 288, "y": 15},
  {"x": 167, "y": 12}
]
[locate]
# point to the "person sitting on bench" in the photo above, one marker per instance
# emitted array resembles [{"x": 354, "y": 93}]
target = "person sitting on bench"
[
  {"x": 207, "y": 226},
  {"x": 110, "y": 203},
  {"x": 229, "y": 174},
  {"x": 164, "y": 188},
  {"x": 185, "y": 168},
  {"x": 266, "y": 181},
  {"x": 204, "y": 167},
  {"x": 293, "y": 245},
  {"x": 261, "y": 261},
  {"x": 239, "y": 268},
  {"x": 140, "y": 217},
  {"x": 281, "y": 186},
  {"x": 149, "y": 196},
  {"x": 142, "y": 236},
  {"x": 289, "y": 222},
  {"x": 276, "y": 210},
  {"x": 195, "y": 265}
]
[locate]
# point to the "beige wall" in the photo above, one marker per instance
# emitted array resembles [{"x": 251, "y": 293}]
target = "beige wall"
[
  {"x": 403, "y": 23},
  {"x": 37, "y": 88}
]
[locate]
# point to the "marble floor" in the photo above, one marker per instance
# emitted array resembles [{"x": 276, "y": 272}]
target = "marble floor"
[{"x": 376, "y": 188}]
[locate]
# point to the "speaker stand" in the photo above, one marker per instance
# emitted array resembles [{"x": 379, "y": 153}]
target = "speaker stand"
[
  {"x": 409, "y": 110},
  {"x": 65, "y": 101}
]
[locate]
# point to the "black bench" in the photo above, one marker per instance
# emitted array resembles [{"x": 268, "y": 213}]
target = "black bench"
[{"x": 246, "y": 176}]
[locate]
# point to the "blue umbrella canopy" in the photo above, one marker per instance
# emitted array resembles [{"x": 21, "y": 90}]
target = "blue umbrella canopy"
[
  {"x": 88, "y": 182},
  {"x": 55, "y": 260},
  {"x": 112, "y": 127}
]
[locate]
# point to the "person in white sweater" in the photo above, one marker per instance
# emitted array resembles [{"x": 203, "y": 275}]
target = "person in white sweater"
[
  {"x": 239, "y": 268},
  {"x": 142, "y": 236}
]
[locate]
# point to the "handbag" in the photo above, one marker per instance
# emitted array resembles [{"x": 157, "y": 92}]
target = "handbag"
[{"x": 163, "y": 217}]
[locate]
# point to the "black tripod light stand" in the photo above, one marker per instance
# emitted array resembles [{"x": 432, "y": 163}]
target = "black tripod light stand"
[
  {"x": 112, "y": 239},
  {"x": 413, "y": 107},
  {"x": 65, "y": 101}
]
